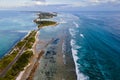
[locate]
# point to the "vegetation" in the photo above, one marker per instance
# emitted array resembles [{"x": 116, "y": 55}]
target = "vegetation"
[
  {"x": 27, "y": 44},
  {"x": 18, "y": 66},
  {"x": 29, "y": 40},
  {"x": 7, "y": 59},
  {"x": 45, "y": 23}
]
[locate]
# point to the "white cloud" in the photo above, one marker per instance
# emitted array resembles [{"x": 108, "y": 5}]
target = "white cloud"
[
  {"x": 104, "y": 1},
  {"x": 77, "y": 3},
  {"x": 91, "y": 2},
  {"x": 39, "y": 2}
]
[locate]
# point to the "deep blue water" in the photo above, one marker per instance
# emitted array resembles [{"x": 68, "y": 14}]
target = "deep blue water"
[
  {"x": 96, "y": 45},
  {"x": 13, "y": 27},
  {"x": 94, "y": 39},
  {"x": 95, "y": 42}
]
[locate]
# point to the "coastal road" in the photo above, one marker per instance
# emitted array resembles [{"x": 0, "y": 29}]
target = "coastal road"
[
  {"x": 13, "y": 62},
  {"x": 3, "y": 73}
]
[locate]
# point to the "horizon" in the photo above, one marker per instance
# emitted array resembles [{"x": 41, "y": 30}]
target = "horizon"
[
  {"x": 59, "y": 40},
  {"x": 76, "y": 5}
]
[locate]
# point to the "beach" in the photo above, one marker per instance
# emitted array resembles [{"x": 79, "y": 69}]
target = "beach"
[
  {"x": 27, "y": 70},
  {"x": 51, "y": 62},
  {"x": 49, "y": 59},
  {"x": 84, "y": 45}
]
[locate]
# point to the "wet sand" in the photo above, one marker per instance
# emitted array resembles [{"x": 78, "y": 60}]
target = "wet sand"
[
  {"x": 55, "y": 65},
  {"x": 29, "y": 71},
  {"x": 65, "y": 65}
]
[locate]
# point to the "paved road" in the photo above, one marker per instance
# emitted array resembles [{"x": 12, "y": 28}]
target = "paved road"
[
  {"x": 3, "y": 73},
  {"x": 13, "y": 62}
]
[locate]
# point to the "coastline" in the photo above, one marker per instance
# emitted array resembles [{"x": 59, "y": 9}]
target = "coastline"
[
  {"x": 62, "y": 63},
  {"x": 26, "y": 43},
  {"x": 22, "y": 74},
  {"x": 55, "y": 64},
  {"x": 22, "y": 49},
  {"x": 12, "y": 48}
]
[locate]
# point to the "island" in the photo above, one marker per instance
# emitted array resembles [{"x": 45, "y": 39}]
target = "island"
[
  {"x": 42, "y": 22},
  {"x": 18, "y": 58},
  {"x": 51, "y": 62},
  {"x": 23, "y": 52}
]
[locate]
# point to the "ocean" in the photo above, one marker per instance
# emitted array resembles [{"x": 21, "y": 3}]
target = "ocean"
[
  {"x": 94, "y": 39},
  {"x": 13, "y": 27}
]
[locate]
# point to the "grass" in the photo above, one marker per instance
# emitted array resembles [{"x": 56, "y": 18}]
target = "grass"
[
  {"x": 22, "y": 61},
  {"x": 18, "y": 66},
  {"x": 7, "y": 59},
  {"x": 45, "y": 23}
]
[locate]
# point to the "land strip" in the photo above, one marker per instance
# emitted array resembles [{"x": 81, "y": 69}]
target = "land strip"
[{"x": 21, "y": 47}]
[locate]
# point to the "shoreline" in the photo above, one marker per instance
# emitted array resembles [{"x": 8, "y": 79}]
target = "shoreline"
[
  {"x": 34, "y": 64},
  {"x": 24, "y": 49},
  {"x": 34, "y": 61},
  {"x": 52, "y": 65},
  {"x": 56, "y": 63},
  {"x": 20, "y": 76},
  {"x": 14, "y": 45},
  {"x": 32, "y": 73},
  {"x": 52, "y": 25},
  {"x": 9, "y": 53}
]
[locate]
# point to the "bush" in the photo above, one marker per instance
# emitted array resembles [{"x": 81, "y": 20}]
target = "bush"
[{"x": 18, "y": 66}]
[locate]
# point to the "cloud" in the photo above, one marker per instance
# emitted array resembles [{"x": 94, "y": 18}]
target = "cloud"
[
  {"x": 64, "y": 4},
  {"x": 39, "y": 2},
  {"x": 85, "y": 3},
  {"x": 103, "y": 1}
]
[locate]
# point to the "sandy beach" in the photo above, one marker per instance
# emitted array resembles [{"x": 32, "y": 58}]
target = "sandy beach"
[
  {"x": 26, "y": 72},
  {"x": 29, "y": 70},
  {"x": 51, "y": 61}
]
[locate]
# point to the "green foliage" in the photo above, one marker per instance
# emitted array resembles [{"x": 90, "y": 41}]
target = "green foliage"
[
  {"x": 22, "y": 61},
  {"x": 18, "y": 66},
  {"x": 29, "y": 40},
  {"x": 45, "y": 23},
  {"x": 7, "y": 59},
  {"x": 20, "y": 44}
]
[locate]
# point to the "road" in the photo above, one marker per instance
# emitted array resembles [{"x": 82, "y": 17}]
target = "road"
[
  {"x": 35, "y": 60},
  {"x": 13, "y": 62},
  {"x": 3, "y": 73}
]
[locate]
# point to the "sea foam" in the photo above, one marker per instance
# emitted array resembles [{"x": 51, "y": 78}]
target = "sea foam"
[
  {"x": 76, "y": 24},
  {"x": 82, "y": 35},
  {"x": 72, "y": 32},
  {"x": 80, "y": 75},
  {"x": 73, "y": 42},
  {"x": 62, "y": 21}
]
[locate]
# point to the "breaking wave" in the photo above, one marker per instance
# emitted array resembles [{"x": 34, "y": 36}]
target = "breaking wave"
[{"x": 80, "y": 75}]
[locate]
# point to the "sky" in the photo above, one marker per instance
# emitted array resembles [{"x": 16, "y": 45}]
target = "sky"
[{"x": 61, "y": 4}]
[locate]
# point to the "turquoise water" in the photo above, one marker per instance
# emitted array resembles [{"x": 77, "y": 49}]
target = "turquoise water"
[
  {"x": 94, "y": 38},
  {"x": 95, "y": 41},
  {"x": 13, "y": 27}
]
